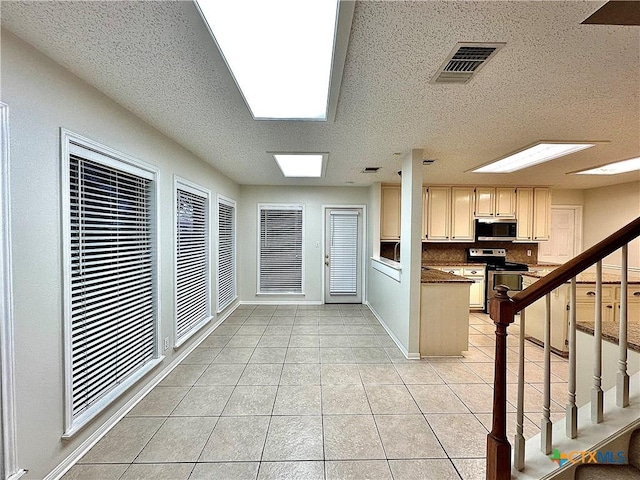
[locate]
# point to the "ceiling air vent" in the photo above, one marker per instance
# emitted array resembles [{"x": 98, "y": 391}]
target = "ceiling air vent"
[
  {"x": 465, "y": 61},
  {"x": 370, "y": 169}
]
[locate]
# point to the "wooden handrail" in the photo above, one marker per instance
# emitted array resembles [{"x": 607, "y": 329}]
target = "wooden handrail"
[
  {"x": 502, "y": 310},
  {"x": 577, "y": 265}
]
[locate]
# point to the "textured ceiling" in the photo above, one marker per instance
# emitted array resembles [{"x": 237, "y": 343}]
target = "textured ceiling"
[{"x": 554, "y": 80}]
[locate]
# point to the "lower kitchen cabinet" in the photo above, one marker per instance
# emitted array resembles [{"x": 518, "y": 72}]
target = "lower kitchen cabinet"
[
  {"x": 477, "y": 275},
  {"x": 535, "y": 315},
  {"x": 585, "y": 310}
]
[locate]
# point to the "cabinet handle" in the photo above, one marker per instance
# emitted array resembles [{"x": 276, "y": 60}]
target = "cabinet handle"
[
  {"x": 474, "y": 272},
  {"x": 636, "y": 294},
  {"x": 591, "y": 294},
  {"x": 609, "y": 306}
]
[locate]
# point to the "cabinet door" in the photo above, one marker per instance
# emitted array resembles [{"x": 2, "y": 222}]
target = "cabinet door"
[
  {"x": 633, "y": 312},
  {"x": 505, "y": 202},
  {"x": 390, "y": 215},
  {"x": 476, "y": 293},
  {"x": 585, "y": 312},
  {"x": 485, "y": 201},
  {"x": 439, "y": 213},
  {"x": 524, "y": 214},
  {"x": 541, "y": 213},
  {"x": 462, "y": 214}
]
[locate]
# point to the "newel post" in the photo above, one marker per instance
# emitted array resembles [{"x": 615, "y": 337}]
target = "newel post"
[{"x": 502, "y": 311}]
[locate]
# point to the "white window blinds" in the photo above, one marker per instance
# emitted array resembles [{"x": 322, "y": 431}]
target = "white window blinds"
[
  {"x": 192, "y": 259},
  {"x": 280, "y": 249},
  {"x": 226, "y": 253},
  {"x": 344, "y": 253},
  {"x": 112, "y": 288}
]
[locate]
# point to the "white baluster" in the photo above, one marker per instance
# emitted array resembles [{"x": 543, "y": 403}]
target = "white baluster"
[
  {"x": 571, "y": 420},
  {"x": 622, "y": 380},
  {"x": 519, "y": 443},
  {"x": 546, "y": 425},
  {"x": 596, "y": 391}
]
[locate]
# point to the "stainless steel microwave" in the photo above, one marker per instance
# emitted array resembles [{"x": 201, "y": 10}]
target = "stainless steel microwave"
[{"x": 495, "y": 229}]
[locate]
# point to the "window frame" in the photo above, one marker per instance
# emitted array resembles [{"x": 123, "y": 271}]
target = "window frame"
[
  {"x": 195, "y": 189},
  {"x": 281, "y": 206},
  {"x": 71, "y": 143},
  {"x": 222, "y": 199}
]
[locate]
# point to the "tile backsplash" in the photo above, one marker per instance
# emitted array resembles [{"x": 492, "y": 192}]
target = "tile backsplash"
[{"x": 457, "y": 252}]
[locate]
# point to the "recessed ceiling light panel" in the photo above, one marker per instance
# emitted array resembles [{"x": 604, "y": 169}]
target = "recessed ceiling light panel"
[
  {"x": 279, "y": 52},
  {"x": 299, "y": 165},
  {"x": 623, "y": 166},
  {"x": 538, "y": 153}
]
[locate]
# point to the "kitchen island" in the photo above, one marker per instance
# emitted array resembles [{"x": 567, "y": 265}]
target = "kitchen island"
[
  {"x": 444, "y": 313},
  {"x": 585, "y": 310}
]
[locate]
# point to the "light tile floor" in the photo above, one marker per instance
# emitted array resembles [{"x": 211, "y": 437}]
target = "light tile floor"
[{"x": 306, "y": 392}]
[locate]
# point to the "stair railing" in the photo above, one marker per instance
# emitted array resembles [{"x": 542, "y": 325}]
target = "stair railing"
[{"x": 503, "y": 309}]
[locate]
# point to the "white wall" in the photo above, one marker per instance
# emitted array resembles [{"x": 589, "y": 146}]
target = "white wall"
[
  {"x": 385, "y": 294},
  {"x": 608, "y": 209},
  {"x": 313, "y": 198},
  {"x": 42, "y": 97}
]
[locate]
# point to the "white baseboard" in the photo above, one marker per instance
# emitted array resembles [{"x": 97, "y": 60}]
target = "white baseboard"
[
  {"x": 409, "y": 356},
  {"x": 77, "y": 454}
]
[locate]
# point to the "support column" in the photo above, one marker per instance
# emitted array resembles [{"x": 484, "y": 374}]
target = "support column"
[{"x": 411, "y": 243}]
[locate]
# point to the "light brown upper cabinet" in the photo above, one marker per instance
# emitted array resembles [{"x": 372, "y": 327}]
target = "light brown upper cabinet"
[
  {"x": 541, "y": 214},
  {"x": 390, "y": 214},
  {"x": 448, "y": 214},
  {"x": 495, "y": 202},
  {"x": 533, "y": 212}
]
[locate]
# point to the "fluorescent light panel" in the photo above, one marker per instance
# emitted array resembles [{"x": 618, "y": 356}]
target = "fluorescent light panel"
[
  {"x": 538, "y": 153},
  {"x": 623, "y": 166},
  {"x": 300, "y": 164},
  {"x": 280, "y": 53}
]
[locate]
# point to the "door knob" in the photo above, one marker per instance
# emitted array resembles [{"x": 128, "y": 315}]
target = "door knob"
[{"x": 326, "y": 262}]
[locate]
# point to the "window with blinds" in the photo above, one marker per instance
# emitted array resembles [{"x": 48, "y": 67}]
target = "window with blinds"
[
  {"x": 343, "y": 275},
  {"x": 110, "y": 300},
  {"x": 192, "y": 259},
  {"x": 226, "y": 252},
  {"x": 281, "y": 249}
]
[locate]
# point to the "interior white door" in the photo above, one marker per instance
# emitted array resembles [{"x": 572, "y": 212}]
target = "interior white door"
[
  {"x": 342, "y": 260},
  {"x": 561, "y": 246}
]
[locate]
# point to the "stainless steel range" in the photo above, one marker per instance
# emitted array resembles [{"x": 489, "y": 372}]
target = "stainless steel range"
[{"x": 498, "y": 271}]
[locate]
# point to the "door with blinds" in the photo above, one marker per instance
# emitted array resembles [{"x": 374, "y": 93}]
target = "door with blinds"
[{"x": 343, "y": 255}]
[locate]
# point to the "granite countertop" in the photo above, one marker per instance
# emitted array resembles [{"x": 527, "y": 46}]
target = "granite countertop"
[
  {"x": 611, "y": 330},
  {"x": 430, "y": 275},
  {"x": 590, "y": 277}
]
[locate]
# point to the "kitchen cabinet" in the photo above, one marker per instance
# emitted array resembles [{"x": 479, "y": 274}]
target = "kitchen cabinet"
[
  {"x": 448, "y": 213},
  {"x": 495, "y": 202},
  {"x": 485, "y": 201},
  {"x": 535, "y": 315},
  {"x": 633, "y": 304},
  {"x": 477, "y": 275},
  {"x": 541, "y": 214},
  {"x": 437, "y": 211},
  {"x": 476, "y": 292},
  {"x": 524, "y": 214},
  {"x": 390, "y": 213},
  {"x": 533, "y": 213},
  {"x": 585, "y": 310}
]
